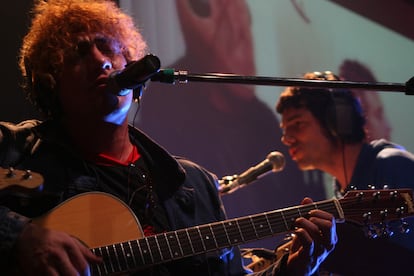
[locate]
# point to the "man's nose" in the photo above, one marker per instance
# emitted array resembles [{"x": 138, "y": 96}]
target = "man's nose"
[
  {"x": 106, "y": 64},
  {"x": 103, "y": 61}
]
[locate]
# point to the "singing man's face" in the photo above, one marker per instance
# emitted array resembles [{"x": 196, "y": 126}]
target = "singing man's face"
[
  {"x": 84, "y": 92},
  {"x": 303, "y": 135}
]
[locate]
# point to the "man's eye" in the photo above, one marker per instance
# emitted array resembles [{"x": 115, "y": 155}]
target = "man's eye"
[
  {"x": 297, "y": 125},
  {"x": 107, "y": 46},
  {"x": 83, "y": 48}
]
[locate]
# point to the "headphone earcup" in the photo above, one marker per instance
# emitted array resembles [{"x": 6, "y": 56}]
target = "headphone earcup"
[
  {"x": 340, "y": 117},
  {"x": 43, "y": 93}
]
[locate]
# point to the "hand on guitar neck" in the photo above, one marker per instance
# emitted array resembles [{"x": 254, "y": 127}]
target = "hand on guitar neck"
[
  {"x": 365, "y": 208},
  {"x": 313, "y": 239}
]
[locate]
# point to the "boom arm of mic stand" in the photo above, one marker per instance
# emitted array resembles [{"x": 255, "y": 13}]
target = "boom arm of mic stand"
[{"x": 171, "y": 76}]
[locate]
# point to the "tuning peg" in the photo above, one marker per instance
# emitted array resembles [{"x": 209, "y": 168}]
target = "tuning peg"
[
  {"x": 27, "y": 174},
  {"x": 394, "y": 194},
  {"x": 371, "y": 187},
  {"x": 10, "y": 172},
  {"x": 360, "y": 195},
  {"x": 372, "y": 232},
  {"x": 385, "y": 187},
  {"x": 385, "y": 230},
  {"x": 376, "y": 195},
  {"x": 404, "y": 227},
  {"x": 367, "y": 217},
  {"x": 384, "y": 214},
  {"x": 400, "y": 211}
]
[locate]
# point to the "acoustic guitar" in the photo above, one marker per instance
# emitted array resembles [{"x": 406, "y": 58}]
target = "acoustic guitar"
[{"x": 111, "y": 230}]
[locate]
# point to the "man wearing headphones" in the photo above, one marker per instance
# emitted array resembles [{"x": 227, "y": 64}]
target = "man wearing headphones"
[{"x": 324, "y": 130}]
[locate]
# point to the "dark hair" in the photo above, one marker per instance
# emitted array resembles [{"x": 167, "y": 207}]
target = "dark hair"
[{"x": 338, "y": 111}]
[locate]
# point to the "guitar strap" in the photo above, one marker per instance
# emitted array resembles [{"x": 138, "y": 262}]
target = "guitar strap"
[{"x": 145, "y": 202}]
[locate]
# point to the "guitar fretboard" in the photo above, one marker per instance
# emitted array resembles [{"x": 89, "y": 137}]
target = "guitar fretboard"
[{"x": 160, "y": 248}]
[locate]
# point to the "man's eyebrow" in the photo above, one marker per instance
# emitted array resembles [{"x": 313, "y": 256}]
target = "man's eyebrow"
[{"x": 290, "y": 119}]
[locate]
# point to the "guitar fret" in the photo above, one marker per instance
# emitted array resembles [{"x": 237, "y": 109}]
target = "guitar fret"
[
  {"x": 266, "y": 216},
  {"x": 240, "y": 230},
  {"x": 149, "y": 251},
  {"x": 108, "y": 257},
  {"x": 300, "y": 214},
  {"x": 307, "y": 209},
  {"x": 136, "y": 250},
  {"x": 105, "y": 260},
  {"x": 154, "y": 249},
  {"x": 233, "y": 232},
  {"x": 115, "y": 262},
  {"x": 196, "y": 240},
  {"x": 276, "y": 222},
  {"x": 201, "y": 237},
  {"x": 221, "y": 237},
  {"x": 249, "y": 233},
  {"x": 130, "y": 256},
  {"x": 208, "y": 237},
  {"x": 254, "y": 227},
  {"x": 213, "y": 234},
  {"x": 292, "y": 213},
  {"x": 227, "y": 232},
  {"x": 173, "y": 241},
  {"x": 284, "y": 220},
  {"x": 120, "y": 254},
  {"x": 96, "y": 268},
  {"x": 183, "y": 235},
  {"x": 125, "y": 258},
  {"x": 261, "y": 226},
  {"x": 164, "y": 247},
  {"x": 146, "y": 253},
  {"x": 177, "y": 243}
]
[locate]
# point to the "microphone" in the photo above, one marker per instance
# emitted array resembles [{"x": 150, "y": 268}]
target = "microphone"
[
  {"x": 275, "y": 162},
  {"x": 135, "y": 74}
]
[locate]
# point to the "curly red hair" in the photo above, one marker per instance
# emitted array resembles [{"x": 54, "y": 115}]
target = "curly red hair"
[{"x": 51, "y": 38}]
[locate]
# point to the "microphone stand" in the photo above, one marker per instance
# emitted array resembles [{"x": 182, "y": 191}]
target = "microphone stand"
[{"x": 171, "y": 76}]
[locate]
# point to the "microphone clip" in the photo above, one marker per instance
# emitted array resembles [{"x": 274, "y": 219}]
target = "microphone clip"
[{"x": 227, "y": 184}]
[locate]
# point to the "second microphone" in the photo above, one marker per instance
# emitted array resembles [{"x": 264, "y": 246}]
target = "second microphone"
[{"x": 275, "y": 162}]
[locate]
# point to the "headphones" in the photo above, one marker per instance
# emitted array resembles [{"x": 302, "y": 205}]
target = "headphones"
[{"x": 344, "y": 118}]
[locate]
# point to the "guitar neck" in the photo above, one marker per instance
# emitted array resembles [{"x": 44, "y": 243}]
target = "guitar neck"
[{"x": 160, "y": 248}]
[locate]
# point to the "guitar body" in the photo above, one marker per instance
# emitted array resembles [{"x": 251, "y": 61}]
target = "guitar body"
[{"x": 95, "y": 218}]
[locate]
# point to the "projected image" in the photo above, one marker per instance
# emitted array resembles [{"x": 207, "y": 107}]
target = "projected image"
[{"x": 229, "y": 127}]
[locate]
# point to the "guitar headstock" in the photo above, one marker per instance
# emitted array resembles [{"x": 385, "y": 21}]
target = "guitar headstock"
[
  {"x": 366, "y": 207},
  {"x": 18, "y": 179}
]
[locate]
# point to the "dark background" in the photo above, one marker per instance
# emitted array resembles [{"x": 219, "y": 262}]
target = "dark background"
[{"x": 14, "y": 21}]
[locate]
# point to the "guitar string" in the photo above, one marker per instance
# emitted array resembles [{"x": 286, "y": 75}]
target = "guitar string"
[{"x": 271, "y": 220}]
